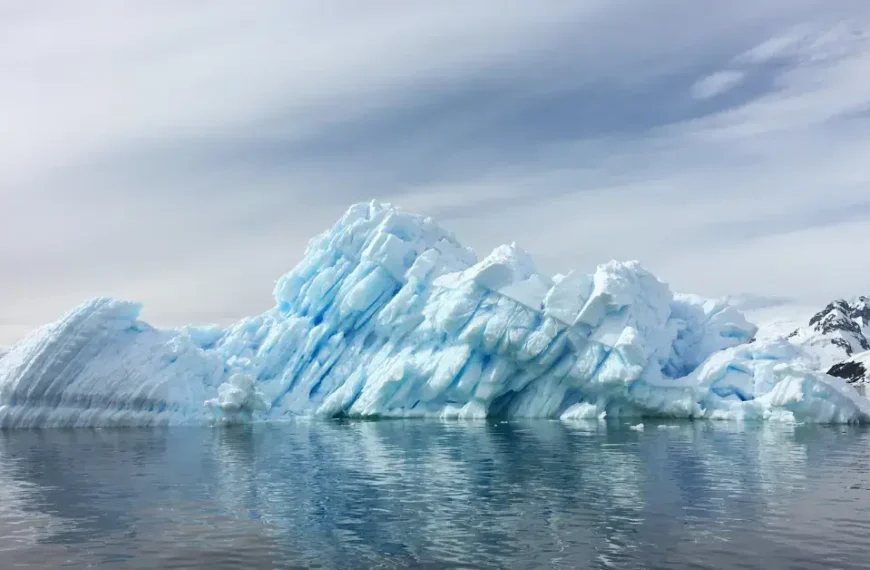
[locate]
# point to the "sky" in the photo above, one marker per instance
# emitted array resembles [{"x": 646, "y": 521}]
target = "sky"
[{"x": 183, "y": 154}]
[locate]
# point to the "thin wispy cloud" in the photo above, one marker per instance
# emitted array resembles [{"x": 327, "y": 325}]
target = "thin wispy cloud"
[
  {"x": 716, "y": 84},
  {"x": 183, "y": 155}
]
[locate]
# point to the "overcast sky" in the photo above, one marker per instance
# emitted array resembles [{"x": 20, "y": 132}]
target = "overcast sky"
[{"x": 183, "y": 153}]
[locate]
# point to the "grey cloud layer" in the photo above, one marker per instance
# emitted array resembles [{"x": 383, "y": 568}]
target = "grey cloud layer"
[{"x": 183, "y": 155}]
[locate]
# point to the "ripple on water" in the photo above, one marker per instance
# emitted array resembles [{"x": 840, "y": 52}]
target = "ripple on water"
[{"x": 437, "y": 495}]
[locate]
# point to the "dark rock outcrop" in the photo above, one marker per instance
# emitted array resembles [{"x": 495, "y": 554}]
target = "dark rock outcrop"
[{"x": 853, "y": 370}]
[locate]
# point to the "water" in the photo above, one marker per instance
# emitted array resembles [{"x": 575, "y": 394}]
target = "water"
[{"x": 396, "y": 494}]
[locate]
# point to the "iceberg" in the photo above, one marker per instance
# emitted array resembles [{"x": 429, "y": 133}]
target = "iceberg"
[{"x": 388, "y": 315}]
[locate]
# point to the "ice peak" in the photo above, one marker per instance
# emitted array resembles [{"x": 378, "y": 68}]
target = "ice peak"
[{"x": 375, "y": 234}]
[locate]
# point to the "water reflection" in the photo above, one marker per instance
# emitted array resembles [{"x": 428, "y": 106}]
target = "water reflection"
[{"x": 398, "y": 494}]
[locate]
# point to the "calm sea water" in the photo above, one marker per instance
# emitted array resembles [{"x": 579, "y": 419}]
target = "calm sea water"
[{"x": 403, "y": 494}]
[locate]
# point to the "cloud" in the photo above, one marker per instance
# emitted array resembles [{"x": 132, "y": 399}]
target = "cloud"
[
  {"x": 184, "y": 155},
  {"x": 716, "y": 84}
]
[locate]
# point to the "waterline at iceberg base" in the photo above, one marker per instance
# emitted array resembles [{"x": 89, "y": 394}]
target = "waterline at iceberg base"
[{"x": 387, "y": 315}]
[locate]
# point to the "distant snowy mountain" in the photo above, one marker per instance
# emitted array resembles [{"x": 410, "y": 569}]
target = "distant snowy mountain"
[{"x": 837, "y": 332}]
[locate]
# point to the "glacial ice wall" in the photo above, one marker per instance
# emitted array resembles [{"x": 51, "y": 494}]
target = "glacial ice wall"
[{"x": 387, "y": 315}]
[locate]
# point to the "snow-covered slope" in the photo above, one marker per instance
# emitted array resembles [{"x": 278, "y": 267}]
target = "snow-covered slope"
[
  {"x": 388, "y": 315},
  {"x": 775, "y": 318}
]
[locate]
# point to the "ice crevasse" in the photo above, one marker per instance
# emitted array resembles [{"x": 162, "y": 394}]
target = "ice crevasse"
[{"x": 388, "y": 315}]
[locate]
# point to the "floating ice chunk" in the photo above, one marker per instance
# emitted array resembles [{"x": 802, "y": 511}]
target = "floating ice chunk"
[
  {"x": 388, "y": 315},
  {"x": 583, "y": 411}
]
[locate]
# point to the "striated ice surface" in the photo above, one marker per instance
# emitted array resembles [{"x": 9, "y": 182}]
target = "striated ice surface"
[{"x": 387, "y": 315}]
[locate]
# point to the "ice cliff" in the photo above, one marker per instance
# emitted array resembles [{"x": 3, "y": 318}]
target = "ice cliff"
[{"x": 387, "y": 315}]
